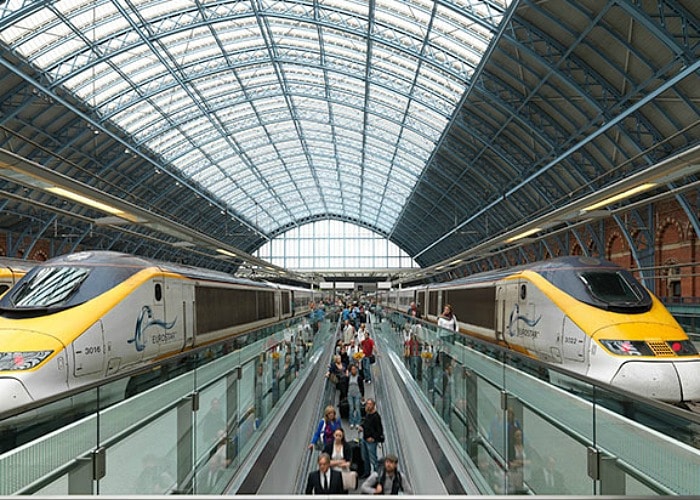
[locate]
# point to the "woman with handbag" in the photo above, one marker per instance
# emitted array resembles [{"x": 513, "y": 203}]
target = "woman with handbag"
[
  {"x": 326, "y": 427},
  {"x": 341, "y": 456},
  {"x": 337, "y": 374}
]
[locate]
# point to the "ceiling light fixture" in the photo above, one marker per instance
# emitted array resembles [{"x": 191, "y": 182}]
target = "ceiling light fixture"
[
  {"x": 226, "y": 252},
  {"x": 621, "y": 196},
  {"x": 524, "y": 234},
  {"x": 86, "y": 200}
]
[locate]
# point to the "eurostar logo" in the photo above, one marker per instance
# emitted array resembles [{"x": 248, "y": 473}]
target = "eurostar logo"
[
  {"x": 515, "y": 317},
  {"x": 143, "y": 323}
]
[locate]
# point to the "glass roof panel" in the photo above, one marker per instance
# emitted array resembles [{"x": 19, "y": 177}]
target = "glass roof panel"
[{"x": 273, "y": 93}]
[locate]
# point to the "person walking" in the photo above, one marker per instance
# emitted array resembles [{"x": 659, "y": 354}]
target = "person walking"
[
  {"x": 368, "y": 351},
  {"x": 387, "y": 480},
  {"x": 372, "y": 434},
  {"x": 356, "y": 392},
  {"x": 324, "y": 481},
  {"x": 326, "y": 427}
]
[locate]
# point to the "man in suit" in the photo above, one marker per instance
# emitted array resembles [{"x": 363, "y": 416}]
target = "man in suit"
[{"x": 325, "y": 481}]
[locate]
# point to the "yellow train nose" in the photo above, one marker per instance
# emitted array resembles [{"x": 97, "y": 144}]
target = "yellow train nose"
[{"x": 25, "y": 350}]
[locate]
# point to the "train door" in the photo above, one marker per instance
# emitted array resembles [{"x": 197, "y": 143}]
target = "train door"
[
  {"x": 421, "y": 301},
  {"x": 526, "y": 317},
  {"x": 501, "y": 324},
  {"x": 151, "y": 321},
  {"x": 511, "y": 310},
  {"x": 184, "y": 322},
  {"x": 278, "y": 305},
  {"x": 172, "y": 336},
  {"x": 573, "y": 342},
  {"x": 89, "y": 351}
]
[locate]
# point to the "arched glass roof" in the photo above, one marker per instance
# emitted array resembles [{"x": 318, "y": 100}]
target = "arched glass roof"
[
  {"x": 333, "y": 244},
  {"x": 283, "y": 110}
]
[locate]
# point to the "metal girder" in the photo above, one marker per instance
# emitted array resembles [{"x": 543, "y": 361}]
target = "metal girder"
[
  {"x": 38, "y": 234},
  {"x": 643, "y": 258}
]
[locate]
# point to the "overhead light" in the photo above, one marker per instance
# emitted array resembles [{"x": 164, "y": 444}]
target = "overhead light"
[
  {"x": 110, "y": 220},
  {"x": 226, "y": 252},
  {"x": 455, "y": 262},
  {"x": 439, "y": 267},
  {"x": 85, "y": 200},
  {"x": 524, "y": 235},
  {"x": 621, "y": 196}
]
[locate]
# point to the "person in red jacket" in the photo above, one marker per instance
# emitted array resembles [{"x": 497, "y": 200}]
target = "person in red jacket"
[{"x": 368, "y": 351}]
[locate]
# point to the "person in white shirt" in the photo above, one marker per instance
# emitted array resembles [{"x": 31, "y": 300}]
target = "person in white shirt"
[
  {"x": 361, "y": 333},
  {"x": 447, "y": 319}
]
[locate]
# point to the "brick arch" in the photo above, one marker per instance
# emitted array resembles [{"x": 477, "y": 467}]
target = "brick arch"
[
  {"x": 39, "y": 256},
  {"x": 616, "y": 249},
  {"x": 664, "y": 226},
  {"x": 530, "y": 253},
  {"x": 512, "y": 259},
  {"x": 576, "y": 249}
]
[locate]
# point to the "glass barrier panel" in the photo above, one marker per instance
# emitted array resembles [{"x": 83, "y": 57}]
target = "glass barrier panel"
[
  {"x": 639, "y": 443},
  {"x": 212, "y": 434},
  {"x": 23, "y": 467},
  {"x": 148, "y": 455},
  {"x": 553, "y": 470}
]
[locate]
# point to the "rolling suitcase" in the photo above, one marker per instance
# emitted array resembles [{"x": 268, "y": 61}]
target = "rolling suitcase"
[
  {"x": 344, "y": 407},
  {"x": 356, "y": 462}
]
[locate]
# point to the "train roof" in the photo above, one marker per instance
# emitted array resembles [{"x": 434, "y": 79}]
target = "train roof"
[
  {"x": 18, "y": 265},
  {"x": 108, "y": 258},
  {"x": 568, "y": 263}
]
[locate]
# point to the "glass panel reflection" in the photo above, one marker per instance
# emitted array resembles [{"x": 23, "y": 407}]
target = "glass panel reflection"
[
  {"x": 507, "y": 410},
  {"x": 146, "y": 424}
]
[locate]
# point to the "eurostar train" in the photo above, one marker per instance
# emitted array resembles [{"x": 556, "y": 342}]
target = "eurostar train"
[
  {"x": 586, "y": 315},
  {"x": 11, "y": 271},
  {"x": 78, "y": 318}
]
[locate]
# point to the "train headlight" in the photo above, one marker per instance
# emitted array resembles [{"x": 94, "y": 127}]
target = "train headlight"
[
  {"x": 625, "y": 347},
  {"x": 22, "y": 360}
]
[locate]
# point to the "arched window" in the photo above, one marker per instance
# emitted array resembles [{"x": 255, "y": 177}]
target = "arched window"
[{"x": 332, "y": 244}]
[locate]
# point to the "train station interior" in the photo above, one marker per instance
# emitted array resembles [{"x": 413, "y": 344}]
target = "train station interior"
[{"x": 197, "y": 196}]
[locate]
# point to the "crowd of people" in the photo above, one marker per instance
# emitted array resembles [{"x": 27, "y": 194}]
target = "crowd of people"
[{"x": 353, "y": 465}]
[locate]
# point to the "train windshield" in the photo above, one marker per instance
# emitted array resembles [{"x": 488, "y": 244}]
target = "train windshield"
[
  {"x": 48, "y": 289},
  {"x": 610, "y": 287},
  {"x": 49, "y": 286}
]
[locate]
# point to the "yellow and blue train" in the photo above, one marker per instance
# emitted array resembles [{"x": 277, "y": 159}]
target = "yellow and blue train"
[
  {"x": 79, "y": 318},
  {"x": 583, "y": 314}
]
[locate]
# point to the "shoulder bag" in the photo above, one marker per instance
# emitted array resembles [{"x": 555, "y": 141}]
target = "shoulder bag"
[{"x": 349, "y": 480}]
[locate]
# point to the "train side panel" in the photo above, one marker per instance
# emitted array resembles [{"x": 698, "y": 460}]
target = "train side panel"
[{"x": 137, "y": 327}]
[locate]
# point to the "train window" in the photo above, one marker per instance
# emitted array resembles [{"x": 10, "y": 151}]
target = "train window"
[
  {"x": 610, "y": 287},
  {"x": 158, "y": 292},
  {"x": 3, "y": 288},
  {"x": 523, "y": 292},
  {"x": 49, "y": 286}
]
